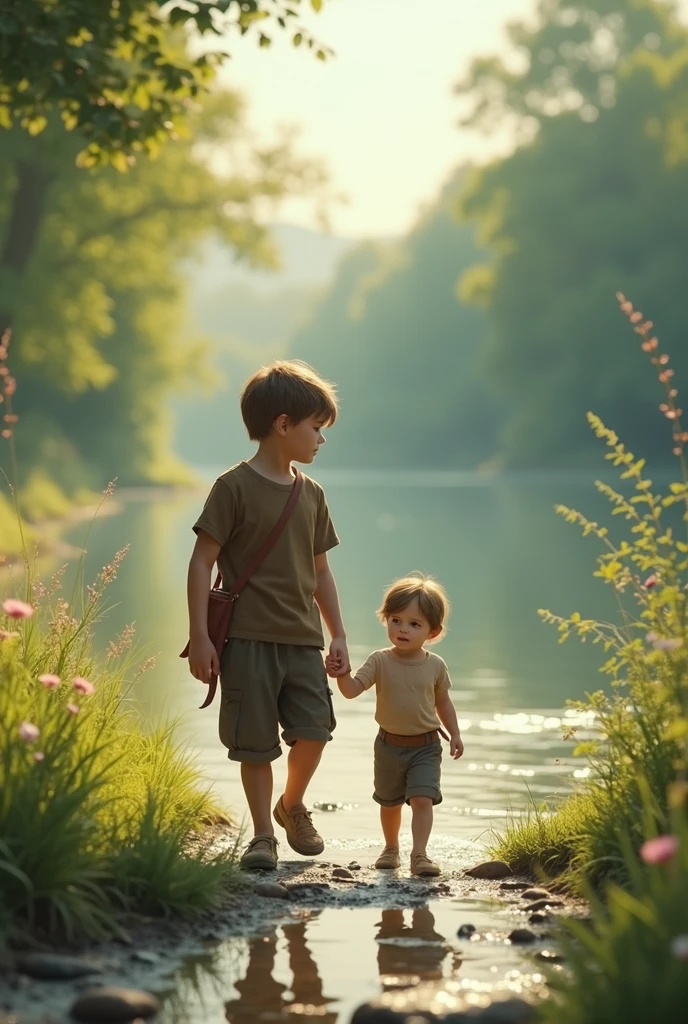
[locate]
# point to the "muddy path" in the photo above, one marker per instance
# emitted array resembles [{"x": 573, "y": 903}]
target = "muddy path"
[{"x": 315, "y": 939}]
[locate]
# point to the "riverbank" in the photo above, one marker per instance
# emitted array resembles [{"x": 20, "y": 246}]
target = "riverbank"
[{"x": 419, "y": 962}]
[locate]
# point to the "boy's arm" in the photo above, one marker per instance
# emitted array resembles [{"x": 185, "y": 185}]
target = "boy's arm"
[
  {"x": 203, "y": 659},
  {"x": 327, "y": 600},
  {"x": 350, "y": 686},
  {"x": 446, "y": 713}
]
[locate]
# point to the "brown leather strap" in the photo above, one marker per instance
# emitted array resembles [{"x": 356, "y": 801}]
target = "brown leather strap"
[
  {"x": 422, "y": 739},
  {"x": 272, "y": 538}
]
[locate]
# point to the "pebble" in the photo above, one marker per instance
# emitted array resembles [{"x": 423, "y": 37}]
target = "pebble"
[
  {"x": 490, "y": 869},
  {"x": 542, "y": 904},
  {"x": 297, "y": 887},
  {"x": 507, "y": 1011},
  {"x": 516, "y": 886},
  {"x": 538, "y": 918},
  {"x": 114, "y": 1005},
  {"x": 536, "y": 894},
  {"x": 519, "y": 935},
  {"x": 465, "y": 931},
  {"x": 370, "y": 1014},
  {"x": 341, "y": 873},
  {"x": 55, "y": 967},
  {"x": 272, "y": 890}
]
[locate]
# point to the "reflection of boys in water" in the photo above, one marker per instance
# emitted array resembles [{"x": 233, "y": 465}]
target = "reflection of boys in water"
[
  {"x": 261, "y": 996},
  {"x": 422, "y": 952}
]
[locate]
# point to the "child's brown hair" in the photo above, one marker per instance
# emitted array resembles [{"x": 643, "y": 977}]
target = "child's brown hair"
[
  {"x": 432, "y": 599},
  {"x": 287, "y": 387}
]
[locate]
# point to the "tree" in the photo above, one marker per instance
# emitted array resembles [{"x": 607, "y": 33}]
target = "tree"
[
  {"x": 592, "y": 204},
  {"x": 114, "y": 71},
  {"x": 101, "y": 336},
  {"x": 391, "y": 327}
]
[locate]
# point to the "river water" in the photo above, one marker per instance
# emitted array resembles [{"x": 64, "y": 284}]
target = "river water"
[{"x": 502, "y": 553}]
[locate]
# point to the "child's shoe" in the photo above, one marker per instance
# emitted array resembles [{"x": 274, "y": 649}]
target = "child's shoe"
[
  {"x": 422, "y": 866},
  {"x": 388, "y": 859},
  {"x": 260, "y": 854},
  {"x": 301, "y": 833}
]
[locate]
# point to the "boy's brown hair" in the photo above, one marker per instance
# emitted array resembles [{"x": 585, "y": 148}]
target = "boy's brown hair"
[
  {"x": 289, "y": 387},
  {"x": 432, "y": 599}
]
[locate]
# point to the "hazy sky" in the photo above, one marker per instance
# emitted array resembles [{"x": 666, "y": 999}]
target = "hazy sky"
[{"x": 381, "y": 112}]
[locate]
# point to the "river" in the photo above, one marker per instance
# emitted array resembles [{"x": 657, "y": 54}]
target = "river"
[{"x": 501, "y": 552}]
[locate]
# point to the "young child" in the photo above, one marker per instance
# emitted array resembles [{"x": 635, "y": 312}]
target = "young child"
[
  {"x": 412, "y": 690},
  {"x": 272, "y": 671}
]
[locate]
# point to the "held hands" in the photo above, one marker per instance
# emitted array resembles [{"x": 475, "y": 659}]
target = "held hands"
[
  {"x": 455, "y": 746},
  {"x": 337, "y": 661},
  {"x": 203, "y": 660}
]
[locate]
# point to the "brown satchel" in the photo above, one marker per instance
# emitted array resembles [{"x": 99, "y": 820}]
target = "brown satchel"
[{"x": 221, "y": 602}]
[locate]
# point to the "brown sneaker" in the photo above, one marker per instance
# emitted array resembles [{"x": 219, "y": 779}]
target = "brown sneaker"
[
  {"x": 301, "y": 834},
  {"x": 260, "y": 854},
  {"x": 422, "y": 866},
  {"x": 388, "y": 859}
]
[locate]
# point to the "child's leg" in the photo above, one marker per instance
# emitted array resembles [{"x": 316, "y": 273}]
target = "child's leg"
[
  {"x": 304, "y": 758},
  {"x": 390, "y": 819},
  {"x": 421, "y": 822},
  {"x": 257, "y": 782}
]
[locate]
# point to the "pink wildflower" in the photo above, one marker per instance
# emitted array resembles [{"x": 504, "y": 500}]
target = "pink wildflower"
[
  {"x": 82, "y": 685},
  {"x": 664, "y": 643},
  {"x": 659, "y": 850},
  {"x": 650, "y": 582},
  {"x": 73, "y": 709},
  {"x": 679, "y": 947},
  {"x": 16, "y": 609},
  {"x": 29, "y": 732},
  {"x": 49, "y": 680},
  {"x": 39, "y": 756}
]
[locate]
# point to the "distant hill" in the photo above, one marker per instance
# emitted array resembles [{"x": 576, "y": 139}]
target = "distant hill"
[{"x": 247, "y": 317}]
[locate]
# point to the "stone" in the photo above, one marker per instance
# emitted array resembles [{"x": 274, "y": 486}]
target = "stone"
[
  {"x": 550, "y": 957},
  {"x": 273, "y": 890},
  {"x": 515, "y": 886},
  {"x": 112, "y": 1005},
  {"x": 538, "y": 918},
  {"x": 342, "y": 873},
  {"x": 543, "y": 904},
  {"x": 298, "y": 887},
  {"x": 368, "y": 1013},
  {"x": 520, "y": 935},
  {"x": 507, "y": 1011},
  {"x": 55, "y": 967},
  {"x": 536, "y": 894},
  {"x": 490, "y": 869},
  {"x": 465, "y": 931},
  {"x": 354, "y": 866}
]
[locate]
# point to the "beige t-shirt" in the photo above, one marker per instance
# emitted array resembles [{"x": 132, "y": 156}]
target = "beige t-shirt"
[
  {"x": 277, "y": 603},
  {"x": 406, "y": 690}
]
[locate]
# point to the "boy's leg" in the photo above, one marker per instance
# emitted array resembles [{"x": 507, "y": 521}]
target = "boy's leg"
[
  {"x": 257, "y": 782},
  {"x": 390, "y": 819},
  {"x": 303, "y": 759},
  {"x": 421, "y": 823}
]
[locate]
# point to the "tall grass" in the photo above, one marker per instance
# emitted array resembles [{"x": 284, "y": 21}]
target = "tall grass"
[
  {"x": 96, "y": 811},
  {"x": 642, "y": 718}
]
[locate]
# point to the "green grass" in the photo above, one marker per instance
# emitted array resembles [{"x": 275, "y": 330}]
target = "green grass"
[{"x": 109, "y": 818}]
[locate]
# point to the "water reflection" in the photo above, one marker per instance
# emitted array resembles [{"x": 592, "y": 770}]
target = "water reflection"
[
  {"x": 261, "y": 995},
  {"x": 410, "y": 949}
]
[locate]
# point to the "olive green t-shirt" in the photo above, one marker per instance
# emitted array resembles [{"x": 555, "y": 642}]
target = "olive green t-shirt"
[
  {"x": 406, "y": 691},
  {"x": 277, "y": 603}
]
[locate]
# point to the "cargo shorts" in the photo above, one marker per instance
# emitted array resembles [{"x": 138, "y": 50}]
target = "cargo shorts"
[
  {"x": 266, "y": 685},
  {"x": 403, "y": 772}
]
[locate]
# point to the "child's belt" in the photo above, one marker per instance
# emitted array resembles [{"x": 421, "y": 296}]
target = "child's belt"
[{"x": 421, "y": 740}]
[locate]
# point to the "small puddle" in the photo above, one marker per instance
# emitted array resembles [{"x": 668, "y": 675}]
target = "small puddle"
[{"x": 325, "y": 963}]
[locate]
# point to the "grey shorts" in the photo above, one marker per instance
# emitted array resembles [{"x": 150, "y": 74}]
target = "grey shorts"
[
  {"x": 403, "y": 772},
  {"x": 267, "y": 685}
]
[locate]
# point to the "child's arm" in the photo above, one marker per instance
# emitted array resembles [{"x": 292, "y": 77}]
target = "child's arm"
[
  {"x": 327, "y": 600},
  {"x": 349, "y": 686},
  {"x": 446, "y": 713},
  {"x": 203, "y": 659}
]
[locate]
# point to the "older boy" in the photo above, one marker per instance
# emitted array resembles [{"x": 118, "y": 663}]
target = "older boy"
[{"x": 272, "y": 670}]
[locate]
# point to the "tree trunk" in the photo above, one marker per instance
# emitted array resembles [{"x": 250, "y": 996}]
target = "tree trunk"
[{"x": 28, "y": 207}]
